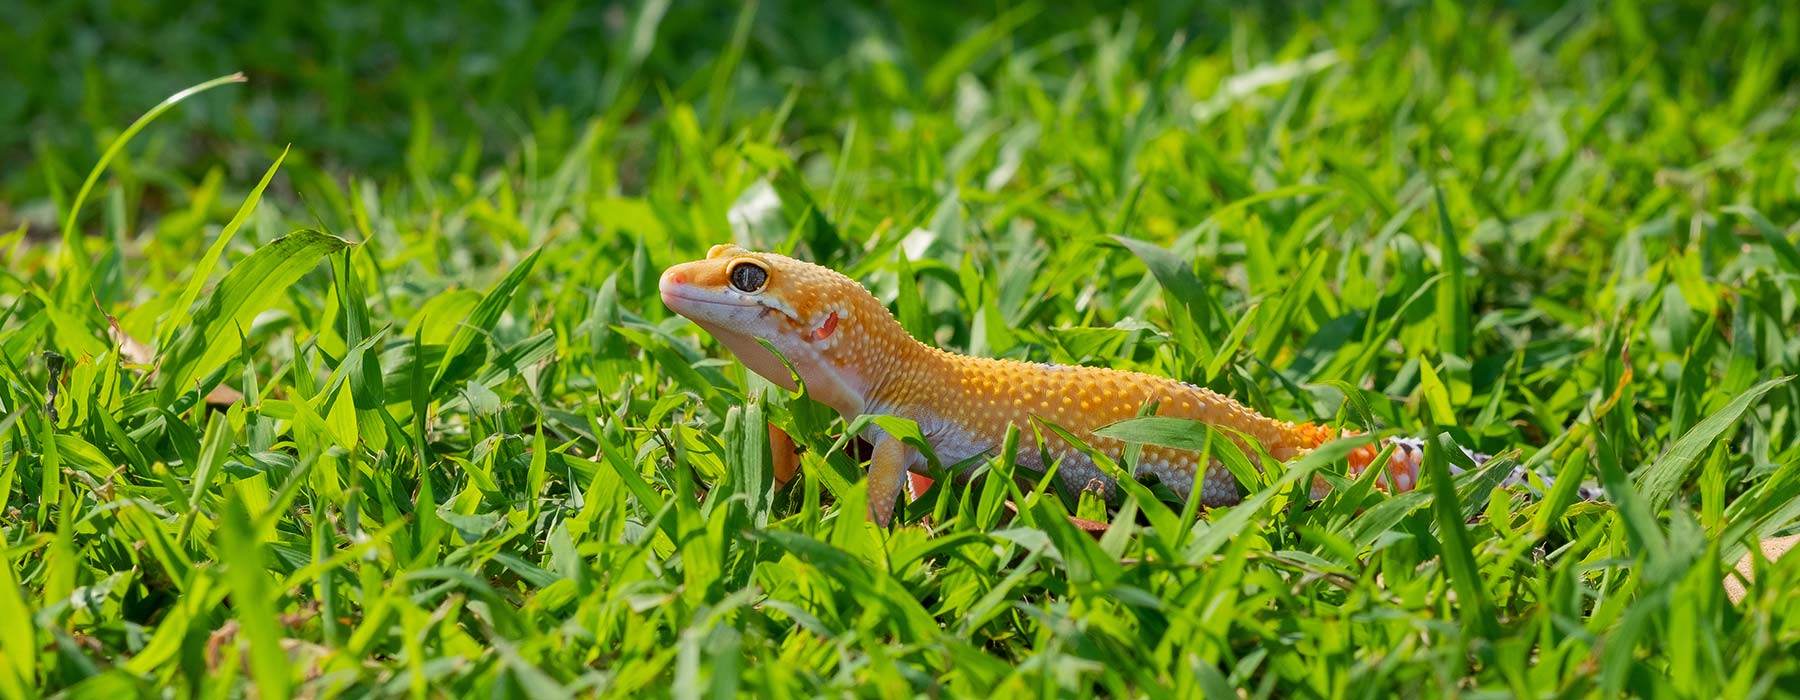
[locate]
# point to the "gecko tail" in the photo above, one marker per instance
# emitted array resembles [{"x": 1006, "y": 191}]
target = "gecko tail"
[{"x": 1407, "y": 463}]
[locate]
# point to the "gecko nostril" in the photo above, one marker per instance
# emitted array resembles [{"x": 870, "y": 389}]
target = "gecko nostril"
[{"x": 676, "y": 278}]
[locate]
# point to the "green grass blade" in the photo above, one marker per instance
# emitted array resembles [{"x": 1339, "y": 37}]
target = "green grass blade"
[
  {"x": 480, "y": 322},
  {"x": 178, "y": 314},
  {"x": 1465, "y": 575},
  {"x": 1452, "y": 296},
  {"x": 75, "y": 259},
  {"x": 18, "y": 639},
  {"x": 252, "y": 605}
]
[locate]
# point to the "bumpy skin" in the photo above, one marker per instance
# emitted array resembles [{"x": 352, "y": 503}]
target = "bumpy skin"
[{"x": 854, "y": 356}]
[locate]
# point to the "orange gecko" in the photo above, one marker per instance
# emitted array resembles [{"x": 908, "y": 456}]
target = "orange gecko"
[{"x": 855, "y": 357}]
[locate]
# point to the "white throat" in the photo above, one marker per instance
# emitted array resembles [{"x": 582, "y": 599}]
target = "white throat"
[{"x": 823, "y": 381}]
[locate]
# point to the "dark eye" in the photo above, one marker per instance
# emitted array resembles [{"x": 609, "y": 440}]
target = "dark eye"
[{"x": 749, "y": 277}]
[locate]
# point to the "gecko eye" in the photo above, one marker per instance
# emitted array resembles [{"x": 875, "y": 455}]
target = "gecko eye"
[{"x": 749, "y": 277}]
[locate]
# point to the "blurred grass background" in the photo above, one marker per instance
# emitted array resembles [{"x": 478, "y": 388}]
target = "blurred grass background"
[{"x": 472, "y": 453}]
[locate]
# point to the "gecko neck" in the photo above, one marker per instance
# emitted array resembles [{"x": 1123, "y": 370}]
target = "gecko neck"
[
  {"x": 878, "y": 362},
  {"x": 905, "y": 368}
]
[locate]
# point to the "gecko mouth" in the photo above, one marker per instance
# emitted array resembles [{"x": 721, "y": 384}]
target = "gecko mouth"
[{"x": 670, "y": 297}]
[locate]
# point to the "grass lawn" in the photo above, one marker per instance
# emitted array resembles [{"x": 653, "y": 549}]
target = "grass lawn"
[{"x": 402, "y": 414}]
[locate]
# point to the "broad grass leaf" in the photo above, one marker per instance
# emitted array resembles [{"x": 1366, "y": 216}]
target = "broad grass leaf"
[
  {"x": 69, "y": 331},
  {"x": 251, "y": 287},
  {"x": 1659, "y": 481},
  {"x": 1178, "y": 278},
  {"x": 1563, "y": 493},
  {"x": 798, "y": 206},
  {"x": 1763, "y": 512},
  {"x": 994, "y": 601},
  {"x": 160, "y": 544},
  {"x": 1189, "y": 435},
  {"x": 81, "y": 454},
  {"x": 505, "y": 617},
  {"x": 162, "y": 645}
]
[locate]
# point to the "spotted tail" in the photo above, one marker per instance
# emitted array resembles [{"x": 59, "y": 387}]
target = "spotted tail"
[{"x": 1408, "y": 460}]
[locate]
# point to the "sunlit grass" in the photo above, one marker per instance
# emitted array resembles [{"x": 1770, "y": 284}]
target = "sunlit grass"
[{"x": 418, "y": 424}]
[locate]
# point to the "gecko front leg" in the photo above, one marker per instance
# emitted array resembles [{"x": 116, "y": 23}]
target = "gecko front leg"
[{"x": 887, "y": 472}]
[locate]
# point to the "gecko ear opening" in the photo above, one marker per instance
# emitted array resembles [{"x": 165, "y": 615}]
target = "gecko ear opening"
[{"x": 827, "y": 328}]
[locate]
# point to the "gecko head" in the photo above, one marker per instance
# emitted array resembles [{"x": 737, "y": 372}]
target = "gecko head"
[{"x": 812, "y": 314}]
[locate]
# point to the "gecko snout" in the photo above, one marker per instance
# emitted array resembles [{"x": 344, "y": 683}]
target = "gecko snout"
[{"x": 670, "y": 286}]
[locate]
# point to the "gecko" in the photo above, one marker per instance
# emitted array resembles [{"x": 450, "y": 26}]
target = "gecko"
[{"x": 854, "y": 356}]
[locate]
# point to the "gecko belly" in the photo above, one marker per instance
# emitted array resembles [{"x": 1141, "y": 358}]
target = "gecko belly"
[{"x": 1174, "y": 469}]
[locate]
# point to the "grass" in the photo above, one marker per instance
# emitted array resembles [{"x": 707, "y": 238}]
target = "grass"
[{"x": 462, "y": 449}]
